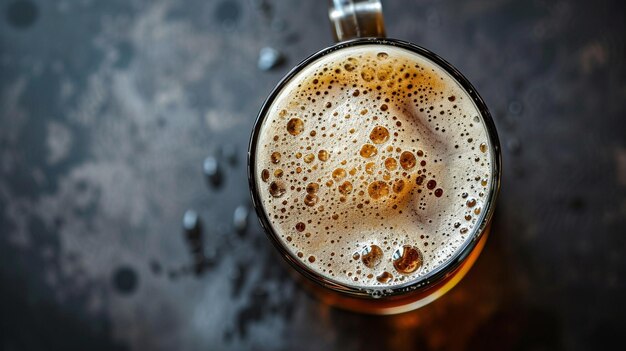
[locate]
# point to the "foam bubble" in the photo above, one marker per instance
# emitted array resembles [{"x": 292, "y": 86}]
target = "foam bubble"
[{"x": 372, "y": 166}]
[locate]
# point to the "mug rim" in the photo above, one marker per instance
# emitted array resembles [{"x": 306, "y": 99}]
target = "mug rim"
[{"x": 459, "y": 256}]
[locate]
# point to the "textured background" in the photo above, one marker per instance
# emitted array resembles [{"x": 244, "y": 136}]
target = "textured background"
[{"x": 108, "y": 109}]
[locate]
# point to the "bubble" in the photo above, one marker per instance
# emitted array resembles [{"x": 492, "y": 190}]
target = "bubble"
[
  {"x": 384, "y": 277},
  {"x": 382, "y": 55},
  {"x": 384, "y": 107},
  {"x": 368, "y": 150},
  {"x": 308, "y": 158},
  {"x": 451, "y": 98},
  {"x": 407, "y": 260},
  {"x": 323, "y": 155},
  {"x": 265, "y": 175},
  {"x": 477, "y": 211},
  {"x": 311, "y": 200},
  {"x": 391, "y": 164},
  {"x": 371, "y": 256},
  {"x": 398, "y": 186},
  {"x": 420, "y": 180},
  {"x": 339, "y": 174},
  {"x": 378, "y": 189},
  {"x": 278, "y": 173},
  {"x": 370, "y": 167},
  {"x": 367, "y": 73},
  {"x": 471, "y": 202},
  {"x": 379, "y": 135},
  {"x": 375, "y": 294},
  {"x": 407, "y": 160},
  {"x": 312, "y": 188},
  {"x": 383, "y": 73},
  {"x": 300, "y": 226},
  {"x": 431, "y": 184},
  {"x": 311, "y": 259},
  {"x": 275, "y": 157},
  {"x": 277, "y": 188},
  {"x": 483, "y": 147},
  {"x": 345, "y": 188},
  {"x": 439, "y": 192},
  {"x": 295, "y": 126},
  {"x": 463, "y": 230}
]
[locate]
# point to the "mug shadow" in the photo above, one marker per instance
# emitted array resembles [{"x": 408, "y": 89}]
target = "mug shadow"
[{"x": 484, "y": 311}]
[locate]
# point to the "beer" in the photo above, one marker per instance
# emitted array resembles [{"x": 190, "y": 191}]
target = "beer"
[{"x": 373, "y": 167}]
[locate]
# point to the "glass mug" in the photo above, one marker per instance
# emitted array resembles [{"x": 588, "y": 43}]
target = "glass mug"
[{"x": 358, "y": 25}]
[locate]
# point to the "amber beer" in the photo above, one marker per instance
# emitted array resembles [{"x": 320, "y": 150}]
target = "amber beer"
[{"x": 374, "y": 168}]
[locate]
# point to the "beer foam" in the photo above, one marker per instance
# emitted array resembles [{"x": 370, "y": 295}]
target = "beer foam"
[{"x": 373, "y": 166}]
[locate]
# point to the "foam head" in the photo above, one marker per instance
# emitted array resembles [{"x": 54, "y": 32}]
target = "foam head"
[{"x": 373, "y": 165}]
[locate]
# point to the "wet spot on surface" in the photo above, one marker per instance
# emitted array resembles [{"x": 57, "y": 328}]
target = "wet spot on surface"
[
  {"x": 125, "y": 280},
  {"x": 22, "y": 14},
  {"x": 227, "y": 13}
]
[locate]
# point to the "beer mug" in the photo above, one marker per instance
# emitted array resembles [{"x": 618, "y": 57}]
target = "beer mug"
[{"x": 374, "y": 167}]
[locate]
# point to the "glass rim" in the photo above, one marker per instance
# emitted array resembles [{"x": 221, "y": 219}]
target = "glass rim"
[{"x": 458, "y": 257}]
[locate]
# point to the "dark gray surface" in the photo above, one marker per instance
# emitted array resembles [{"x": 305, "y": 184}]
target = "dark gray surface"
[{"x": 108, "y": 110}]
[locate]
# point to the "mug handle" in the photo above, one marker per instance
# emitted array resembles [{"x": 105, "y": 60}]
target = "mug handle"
[{"x": 356, "y": 19}]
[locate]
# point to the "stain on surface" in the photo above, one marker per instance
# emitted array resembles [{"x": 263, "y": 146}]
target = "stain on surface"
[
  {"x": 125, "y": 280},
  {"x": 22, "y": 14}
]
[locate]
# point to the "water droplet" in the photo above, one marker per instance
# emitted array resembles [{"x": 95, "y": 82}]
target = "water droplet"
[
  {"x": 212, "y": 171},
  {"x": 269, "y": 58},
  {"x": 240, "y": 218}
]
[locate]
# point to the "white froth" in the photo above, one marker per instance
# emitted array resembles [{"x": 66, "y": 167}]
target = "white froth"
[{"x": 430, "y": 113}]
